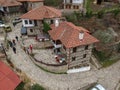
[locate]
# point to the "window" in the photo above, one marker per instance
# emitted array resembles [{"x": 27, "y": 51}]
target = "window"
[
  {"x": 26, "y": 22},
  {"x": 84, "y": 56},
  {"x": 74, "y": 49},
  {"x": 86, "y": 47},
  {"x": 31, "y": 30},
  {"x": 35, "y": 22},
  {"x": 73, "y": 58},
  {"x": 52, "y": 21},
  {"x": 30, "y": 22}
]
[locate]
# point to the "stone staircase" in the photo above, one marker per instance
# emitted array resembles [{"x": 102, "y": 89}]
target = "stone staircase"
[{"x": 95, "y": 62}]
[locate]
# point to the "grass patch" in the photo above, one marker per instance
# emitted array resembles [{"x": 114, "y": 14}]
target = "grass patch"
[
  {"x": 50, "y": 71},
  {"x": 108, "y": 62}
]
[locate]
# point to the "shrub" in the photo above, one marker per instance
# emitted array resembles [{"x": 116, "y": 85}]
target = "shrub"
[
  {"x": 100, "y": 55},
  {"x": 37, "y": 87},
  {"x": 89, "y": 13},
  {"x": 100, "y": 14},
  {"x": 20, "y": 86},
  {"x": 116, "y": 12}
]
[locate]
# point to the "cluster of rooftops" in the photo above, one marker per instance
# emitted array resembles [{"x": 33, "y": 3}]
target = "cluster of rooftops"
[{"x": 66, "y": 32}]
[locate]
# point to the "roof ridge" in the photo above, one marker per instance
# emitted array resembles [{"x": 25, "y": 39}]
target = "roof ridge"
[
  {"x": 75, "y": 27},
  {"x": 62, "y": 33},
  {"x": 51, "y": 9}
]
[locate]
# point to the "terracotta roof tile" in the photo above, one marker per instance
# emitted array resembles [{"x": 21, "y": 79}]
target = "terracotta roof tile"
[
  {"x": 6, "y": 3},
  {"x": 7, "y": 76},
  {"x": 68, "y": 34},
  {"x": 41, "y": 13}
]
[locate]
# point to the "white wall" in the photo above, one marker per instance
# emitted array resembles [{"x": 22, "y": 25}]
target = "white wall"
[
  {"x": 27, "y": 25},
  {"x": 77, "y": 1}
]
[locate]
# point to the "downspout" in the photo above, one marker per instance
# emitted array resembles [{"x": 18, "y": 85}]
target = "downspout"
[{"x": 69, "y": 59}]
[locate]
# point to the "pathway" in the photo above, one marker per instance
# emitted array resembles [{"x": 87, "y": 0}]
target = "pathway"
[{"x": 108, "y": 77}]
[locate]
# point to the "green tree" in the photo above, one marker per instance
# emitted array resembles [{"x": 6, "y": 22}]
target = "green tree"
[{"x": 46, "y": 27}]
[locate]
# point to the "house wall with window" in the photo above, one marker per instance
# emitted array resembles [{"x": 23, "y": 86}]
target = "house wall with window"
[
  {"x": 32, "y": 5},
  {"x": 79, "y": 56},
  {"x": 73, "y": 4},
  {"x": 34, "y": 27},
  {"x": 28, "y": 23},
  {"x": 14, "y": 9}
]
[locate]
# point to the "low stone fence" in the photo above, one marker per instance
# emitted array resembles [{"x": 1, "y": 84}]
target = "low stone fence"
[{"x": 55, "y": 68}]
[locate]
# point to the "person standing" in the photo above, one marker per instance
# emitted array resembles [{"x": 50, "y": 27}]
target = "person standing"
[
  {"x": 14, "y": 50},
  {"x": 31, "y": 47},
  {"x": 16, "y": 38},
  {"x": 14, "y": 42}
]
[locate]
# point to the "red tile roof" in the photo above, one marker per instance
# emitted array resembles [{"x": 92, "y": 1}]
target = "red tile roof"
[
  {"x": 8, "y": 79},
  {"x": 68, "y": 34},
  {"x": 30, "y": 0},
  {"x": 41, "y": 13},
  {"x": 6, "y": 3}
]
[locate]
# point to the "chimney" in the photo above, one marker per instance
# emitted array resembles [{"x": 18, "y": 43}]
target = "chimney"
[
  {"x": 81, "y": 35},
  {"x": 56, "y": 22}
]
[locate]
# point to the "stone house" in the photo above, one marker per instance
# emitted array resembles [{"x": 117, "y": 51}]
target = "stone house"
[
  {"x": 9, "y": 7},
  {"x": 74, "y": 42},
  {"x": 33, "y": 20},
  {"x": 73, "y": 4},
  {"x": 28, "y": 5}
]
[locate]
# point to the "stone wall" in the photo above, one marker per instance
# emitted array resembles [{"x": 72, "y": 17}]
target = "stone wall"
[
  {"x": 36, "y": 29},
  {"x": 50, "y": 68},
  {"x": 80, "y": 59}
]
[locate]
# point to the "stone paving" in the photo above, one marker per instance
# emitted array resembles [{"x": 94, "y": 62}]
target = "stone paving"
[
  {"x": 45, "y": 56},
  {"x": 108, "y": 77}
]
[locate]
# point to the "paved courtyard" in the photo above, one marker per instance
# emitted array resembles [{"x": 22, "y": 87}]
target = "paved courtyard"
[
  {"x": 108, "y": 77},
  {"x": 45, "y": 56}
]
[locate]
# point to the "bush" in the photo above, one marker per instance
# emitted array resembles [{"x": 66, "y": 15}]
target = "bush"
[
  {"x": 89, "y": 13},
  {"x": 20, "y": 86},
  {"x": 100, "y": 55},
  {"x": 37, "y": 87},
  {"x": 116, "y": 12},
  {"x": 100, "y": 14}
]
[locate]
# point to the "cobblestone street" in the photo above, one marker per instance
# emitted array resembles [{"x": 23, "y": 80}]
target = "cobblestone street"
[{"x": 108, "y": 77}]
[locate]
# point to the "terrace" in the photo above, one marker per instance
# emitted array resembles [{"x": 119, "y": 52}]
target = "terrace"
[{"x": 44, "y": 56}]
